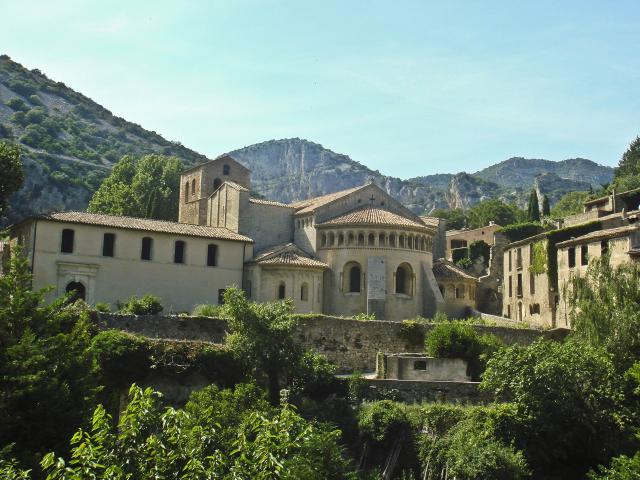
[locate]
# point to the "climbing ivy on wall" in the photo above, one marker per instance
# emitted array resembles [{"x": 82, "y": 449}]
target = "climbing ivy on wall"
[{"x": 540, "y": 258}]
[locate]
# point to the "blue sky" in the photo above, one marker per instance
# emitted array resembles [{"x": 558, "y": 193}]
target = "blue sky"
[{"x": 409, "y": 88}]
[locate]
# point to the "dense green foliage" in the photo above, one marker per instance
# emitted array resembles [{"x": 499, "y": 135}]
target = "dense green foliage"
[
  {"x": 145, "y": 187},
  {"x": 533, "y": 208},
  {"x": 11, "y": 168},
  {"x": 546, "y": 208},
  {"x": 460, "y": 340},
  {"x": 629, "y": 164},
  {"x": 480, "y": 250},
  {"x": 569, "y": 400},
  {"x": 520, "y": 231},
  {"x": 456, "y": 218},
  {"x": 570, "y": 204},
  {"x": 145, "y": 305},
  {"x": 493, "y": 210}
]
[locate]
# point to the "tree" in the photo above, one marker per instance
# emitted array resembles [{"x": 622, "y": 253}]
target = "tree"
[
  {"x": 570, "y": 204},
  {"x": 147, "y": 187},
  {"x": 493, "y": 210},
  {"x": 46, "y": 383},
  {"x": 456, "y": 218},
  {"x": 569, "y": 398},
  {"x": 12, "y": 175},
  {"x": 546, "y": 210},
  {"x": 629, "y": 164},
  {"x": 217, "y": 435},
  {"x": 533, "y": 209}
]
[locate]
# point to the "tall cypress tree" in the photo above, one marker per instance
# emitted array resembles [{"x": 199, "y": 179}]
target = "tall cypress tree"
[
  {"x": 533, "y": 212},
  {"x": 546, "y": 210}
]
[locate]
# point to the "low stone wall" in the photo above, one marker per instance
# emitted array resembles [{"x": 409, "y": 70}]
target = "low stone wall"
[
  {"x": 352, "y": 345},
  {"x": 412, "y": 391}
]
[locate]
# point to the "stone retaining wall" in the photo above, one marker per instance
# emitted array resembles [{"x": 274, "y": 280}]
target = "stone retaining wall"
[
  {"x": 350, "y": 344},
  {"x": 412, "y": 391}
]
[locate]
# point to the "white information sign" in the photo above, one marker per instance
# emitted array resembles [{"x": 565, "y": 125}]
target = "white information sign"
[{"x": 376, "y": 278}]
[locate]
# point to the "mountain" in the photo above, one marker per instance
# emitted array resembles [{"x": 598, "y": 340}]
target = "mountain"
[
  {"x": 70, "y": 144},
  {"x": 518, "y": 172},
  {"x": 69, "y": 141}
]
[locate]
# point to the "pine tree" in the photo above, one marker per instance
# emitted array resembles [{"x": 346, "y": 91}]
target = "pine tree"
[
  {"x": 630, "y": 162},
  {"x": 546, "y": 210},
  {"x": 533, "y": 211}
]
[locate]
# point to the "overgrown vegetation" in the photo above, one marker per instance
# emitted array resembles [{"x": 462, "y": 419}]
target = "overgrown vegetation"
[{"x": 145, "y": 305}]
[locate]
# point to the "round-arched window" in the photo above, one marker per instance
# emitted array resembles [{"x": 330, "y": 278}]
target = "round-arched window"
[{"x": 76, "y": 290}]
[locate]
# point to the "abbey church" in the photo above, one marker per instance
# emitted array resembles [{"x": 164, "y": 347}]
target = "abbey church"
[{"x": 346, "y": 253}]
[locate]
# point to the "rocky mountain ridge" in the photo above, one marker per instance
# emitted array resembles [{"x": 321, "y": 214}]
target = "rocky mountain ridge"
[{"x": 71, "y": 142}]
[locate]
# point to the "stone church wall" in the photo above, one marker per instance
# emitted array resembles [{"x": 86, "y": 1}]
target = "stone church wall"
[{"x": 350, "y": 344}]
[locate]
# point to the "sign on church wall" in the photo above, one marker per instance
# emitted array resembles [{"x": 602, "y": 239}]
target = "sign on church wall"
[{"x": 376, "y": 278}]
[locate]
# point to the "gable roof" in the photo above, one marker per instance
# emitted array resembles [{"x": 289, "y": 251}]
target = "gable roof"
[
  {"x": 144, "y": 224},
  {"x": 223, "y": 157},
  {"x": 368, "y": 215},
  {"x": 311, "y": 204},
  {"x": 600, "y": 235},
  {"x": 450, "y": 271},
  {"x": 288, "y": 255},
  {"x": 273, "y": 203}
]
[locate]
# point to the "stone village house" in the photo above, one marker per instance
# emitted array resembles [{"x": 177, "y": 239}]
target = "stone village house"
[{"x": 344, "y": 253}]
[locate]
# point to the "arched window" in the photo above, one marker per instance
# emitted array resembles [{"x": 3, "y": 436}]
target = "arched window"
[
  {"x": 304, "y": 292},
  {"x": 281, "y": 291},
  {"x": 77, "y": 291},
  {"x": 372, "y": 240},
  {"x": 350, "y": 239},
  {"x": 410, "y": 242},
  {"x": 340, "y": 239},
  {"x": 401, "y": 241},
  {"x": 361, "y": 239},
  {"x": 404, "y": 278},
  {"x": 392, "y": 240},
  {"x": 186, "y": 190},
  {"x": 212, "y": 255},
  {"x": 193, "y": 187},
  {"x": 66, "y": 245},
  {"x": 178, "y": 252},
  {"x": 353, "y": 277},
  {"x": 216, "y": 184},
  {"x": 332, "y": 239},
  {"x": 323, "y": 239},
  {"x": 381, "y": 242},
  {"x": 226, "y": 169},
  {"x": 424, "y": 244},
  {"x": 147, "y": 245}
]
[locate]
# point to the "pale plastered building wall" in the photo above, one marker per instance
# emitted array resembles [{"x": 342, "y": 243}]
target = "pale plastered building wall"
[
  {"x": 467, "y": 237},
  {"x": 527, "y": 297},
  {"x": 113, "y": 279}
]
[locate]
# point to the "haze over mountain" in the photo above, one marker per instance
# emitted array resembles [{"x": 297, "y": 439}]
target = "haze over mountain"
[{"x": 71, "y": 142}]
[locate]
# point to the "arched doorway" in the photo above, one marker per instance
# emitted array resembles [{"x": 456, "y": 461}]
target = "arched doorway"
[{"x": 77, "y": 291}]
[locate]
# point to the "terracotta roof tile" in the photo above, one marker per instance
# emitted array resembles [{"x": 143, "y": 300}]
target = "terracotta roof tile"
[
  {"x": 311, "y": 204},
  {"x": 431, "y": 221},
  {"x": 289, "y": 255},
  {"x": 448, "y": 270},
  {"x": 600, "y": 235},
  {"x": 374, "y": 216},
  {"x": 145, "y": 224}
]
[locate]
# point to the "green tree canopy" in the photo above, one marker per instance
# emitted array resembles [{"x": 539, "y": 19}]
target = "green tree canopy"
[
  {"x": 570, "y": 204},
  {"x": 629, "y": 164},
  {"x": 533, "y": 208},
  {"x": 146, "y": 187},
  {"x": 11, "y": 176},
  {"x": 546, "y": 210},
  {"x": 456, "y": 218},
  {"x": 493, "y": 210}
]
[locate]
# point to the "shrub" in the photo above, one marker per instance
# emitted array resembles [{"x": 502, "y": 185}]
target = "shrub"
[
  {"x": 412, "y": 332},
  {"x": 520, "y": 231},
  {"x": 460, "y": 340},
  {"x": 17, "y": 104},
  {"x": 122, "y": 358},
  {"x": 209, "y": 310},
  {"x": 364, "y": 316},
  {"x": 147, "y": 305},
  {"x": 357, "y": 388},
  {"x": 102, "y": 307}
]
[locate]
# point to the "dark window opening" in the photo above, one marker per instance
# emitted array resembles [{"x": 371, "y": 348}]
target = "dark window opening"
[
  {"x": 193, "y": 188},
  {"x": 584, "y": 255},
  {"x": 458, "y": 244},
  {"x": 226, "y": 169},
  {"x": 108, "y": 243},
  {"x": 67, "y": 241},
  {"x": 572, "y": 257},
  {"x": 519, "y": 285},
  {"x": 281, "y": 291},
  {"x": 212, "y": 255},
  {"x": 216, "y": 183},
  {"x": 147, "y": 243},
  {"x": 420, "y": 365},
  {"x": 186, "y": 190},
  {"x": 403, "y": 280},
  {"x": 77, "y": 291},
  {"x": 304, "y": 292},
  {"x": 178, "y": 252},
  {"x": 604, "y": 247},
  {"x": 354, "y": 279},
  {"x": 532, "y": 283}
]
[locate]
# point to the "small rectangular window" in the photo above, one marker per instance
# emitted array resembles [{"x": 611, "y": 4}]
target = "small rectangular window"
[
  {"x": 510, "y": 267},
  {"x": 420, "y": 365},
  {"x": 584, "y": 255},
  {"x": 604, "y": 247},
  {"x": 572, "y": 257},
  {"x": 66, "y": 245},
  {"x": 510, "y": 288},
  {"x": 519, "y": 285},
  {"x": 178, "y": 253},
  {"x": 212, "y": 254},
  {"x": 147, "y": 244},
  {"x": 108, "y": 244},
  {"x": 532, "y": 283}
]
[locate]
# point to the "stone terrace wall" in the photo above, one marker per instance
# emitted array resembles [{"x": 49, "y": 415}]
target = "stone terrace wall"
[
  {"x": 411, "y": 391},
  {"x": 350, "y": 344}
]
